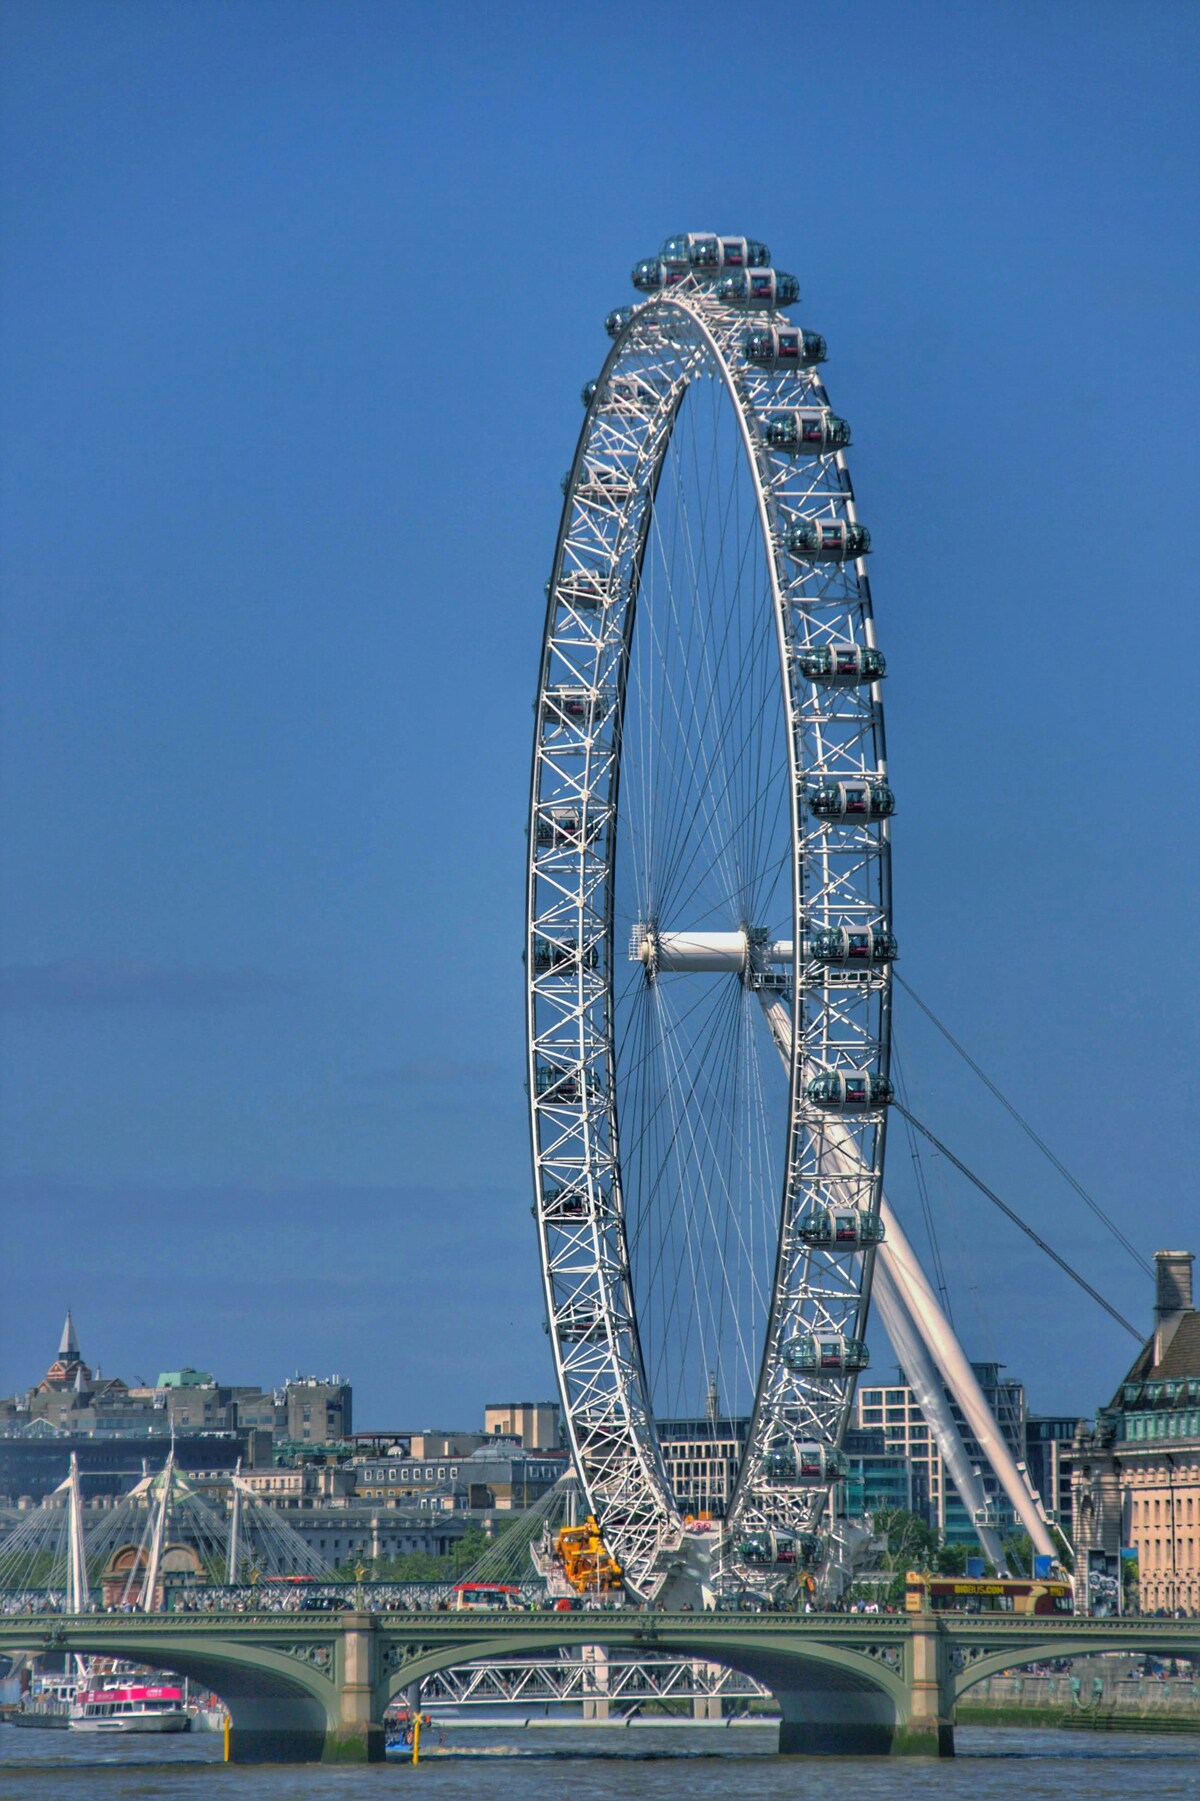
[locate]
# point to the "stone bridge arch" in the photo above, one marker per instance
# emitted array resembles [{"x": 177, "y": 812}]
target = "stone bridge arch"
[
  {"x": 284, "y": 1704},
  {"x": 1153, "y": 1642},
  {"x": 834, "y": 1700}
]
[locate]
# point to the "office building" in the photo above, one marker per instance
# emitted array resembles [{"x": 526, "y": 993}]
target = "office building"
[{"x": 896, "y": 1412}]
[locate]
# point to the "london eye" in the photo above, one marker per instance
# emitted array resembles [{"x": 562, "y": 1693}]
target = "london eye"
[{"x": 709, "y": 931}]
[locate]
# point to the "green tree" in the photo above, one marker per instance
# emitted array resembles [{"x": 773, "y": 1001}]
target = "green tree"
[{"x": 909, "y": 1542}]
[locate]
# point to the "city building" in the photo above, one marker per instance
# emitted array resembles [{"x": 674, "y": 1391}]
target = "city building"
[
  {"x": 878, "y": 1479},
  {"x": 703, "y": 1456},
  {"x": 500, "y": 1478},
  {"x": 536, "y": 1425},
  {"x": 73, "y": 1407},
  {"x": 1048, "y": 1441},
  {"x": 1136, "y": 1476},
  {"x": 426, "y": 1444},
  {"x": 340, "y": 1534},
  {"x": 316, "y": 1411},
  {"x": 896, "y": 1412},
  {"x": 301, "y": 1485},
  {"x": 33, "y": 1461}
]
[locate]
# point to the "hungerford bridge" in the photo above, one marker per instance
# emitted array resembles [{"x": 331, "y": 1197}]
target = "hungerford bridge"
[{"x": 709, "y": 952}]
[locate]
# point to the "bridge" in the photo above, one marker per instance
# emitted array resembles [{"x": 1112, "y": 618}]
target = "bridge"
[{"x": 306, "y": 1687}]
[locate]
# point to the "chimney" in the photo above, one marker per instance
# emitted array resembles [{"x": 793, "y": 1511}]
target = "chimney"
[{"x": 1172, "y": 1296}]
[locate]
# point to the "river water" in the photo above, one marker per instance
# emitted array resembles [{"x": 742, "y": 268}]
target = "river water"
[{"x": 651, "y": 1763}]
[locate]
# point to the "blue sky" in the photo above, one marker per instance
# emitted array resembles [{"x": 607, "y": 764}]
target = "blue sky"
[{"x": 298, "y": 302}]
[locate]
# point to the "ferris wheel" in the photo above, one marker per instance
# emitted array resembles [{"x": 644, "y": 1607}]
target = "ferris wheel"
[{"x": 709, "y": 934}]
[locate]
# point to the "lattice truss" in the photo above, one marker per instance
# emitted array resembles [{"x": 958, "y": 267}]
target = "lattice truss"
[{"x": 828, "y": 1015}]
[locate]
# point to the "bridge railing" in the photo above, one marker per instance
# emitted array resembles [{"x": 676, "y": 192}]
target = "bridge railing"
[{"x": 267, "y": 1597}]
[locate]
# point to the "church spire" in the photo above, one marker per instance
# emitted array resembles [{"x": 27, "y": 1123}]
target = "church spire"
[{"x": 68, "y": 1350}]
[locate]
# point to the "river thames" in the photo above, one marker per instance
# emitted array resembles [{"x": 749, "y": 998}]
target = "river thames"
[{"x": 505, "y": 1763}]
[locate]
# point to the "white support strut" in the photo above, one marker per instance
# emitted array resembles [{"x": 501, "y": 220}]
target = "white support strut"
[
  {"x": 158, "y": 1537},
  {"x": 926, "y": 1385},
  {"x": 938, "y": 1334},
  {"x": 906, "y": 1300},
  {"x": 77, "y": 1584}
]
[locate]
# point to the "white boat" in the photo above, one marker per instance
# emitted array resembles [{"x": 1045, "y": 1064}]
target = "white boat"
[
  {"x": 208, "y": 1719},
  {"x": 129, "y": 1707},
  {"x": 48, "y": 1703}
]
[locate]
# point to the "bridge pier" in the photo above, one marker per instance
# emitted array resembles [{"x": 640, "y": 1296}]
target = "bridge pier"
[
  {"x": 357, "y": 1736},
  {"x": 823, "y": 1722},
  {"x": 929, "y": 1729}
]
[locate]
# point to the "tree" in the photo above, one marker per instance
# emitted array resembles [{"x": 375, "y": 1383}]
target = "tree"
[{"x": 909, "y": 1541}]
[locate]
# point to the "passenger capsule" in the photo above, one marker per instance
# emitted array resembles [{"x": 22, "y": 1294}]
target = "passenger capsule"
[
  {"x": 632, "y": 390},
  {"x": 585, "y": 593},
  {"x": 827, "y": 540},
  {"x": 853, "y": 800},
  {"x": 808, "y": 1464},
  {"x": 705, "y": 253},
  {"x": 841, "y": 665},
  {"x": 652, "y": 275},
  {"x": 554, "y": 1083},
  {"x": 559, "y": 829},
  {"x": 604, "y": 484},
  {"x": 825, "y": 1354},
  {"x": 582, "y": 1322},
  {"x": 839, "y": 1229},
  {"x": 852, "y": 945},
  {"x": 764, "y": 1549},
  {"x": 559, "y": 1202},
  {"x": 577, "y": 707},
  {"x": 617, "y": 320},
  {"x": 549, "y": 955},
  {"x": 849, "y": 1090},
  {"x": 649, "y": 275},
  {"x": 806, "y": 431},
  {"x": 758, "y": 288},
  {"x": 784, "y": 347}
]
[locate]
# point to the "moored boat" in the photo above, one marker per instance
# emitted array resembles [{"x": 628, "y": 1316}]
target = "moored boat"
[{"x": 129, "y": 1707}]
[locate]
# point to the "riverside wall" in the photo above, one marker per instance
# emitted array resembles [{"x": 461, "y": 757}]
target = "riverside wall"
[{"x": 1091, "y": 1696}]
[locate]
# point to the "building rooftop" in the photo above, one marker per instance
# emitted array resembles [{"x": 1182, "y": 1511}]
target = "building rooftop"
[{"x": 1181, "y": 1356}]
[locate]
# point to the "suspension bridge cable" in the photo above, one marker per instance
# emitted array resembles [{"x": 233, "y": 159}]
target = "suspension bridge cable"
[
  {"x": 1016, "y": 1219},
  {"x": 1025, "y": 1126}
]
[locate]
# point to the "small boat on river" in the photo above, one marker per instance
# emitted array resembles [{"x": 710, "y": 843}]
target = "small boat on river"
[{"x": 129, "y": 1707}]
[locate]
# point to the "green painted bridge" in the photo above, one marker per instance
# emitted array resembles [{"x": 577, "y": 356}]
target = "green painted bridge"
[{"x": 307, "y": 1686}]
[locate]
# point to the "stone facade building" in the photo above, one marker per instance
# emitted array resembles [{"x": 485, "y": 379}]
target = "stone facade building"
[{"x": 1136, "y": 1476}]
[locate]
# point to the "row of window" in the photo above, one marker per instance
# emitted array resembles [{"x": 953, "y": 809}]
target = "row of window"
[
  {"x": 1181, "y": 1389},
  {"x": 895, "y": 1416},
  {"x": 1162, "y": 1425},
  {"x": 1157, "y": 1555},
  {"x": 1148, "y": 1510},
  {"x": 408, "y": 1472}
]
